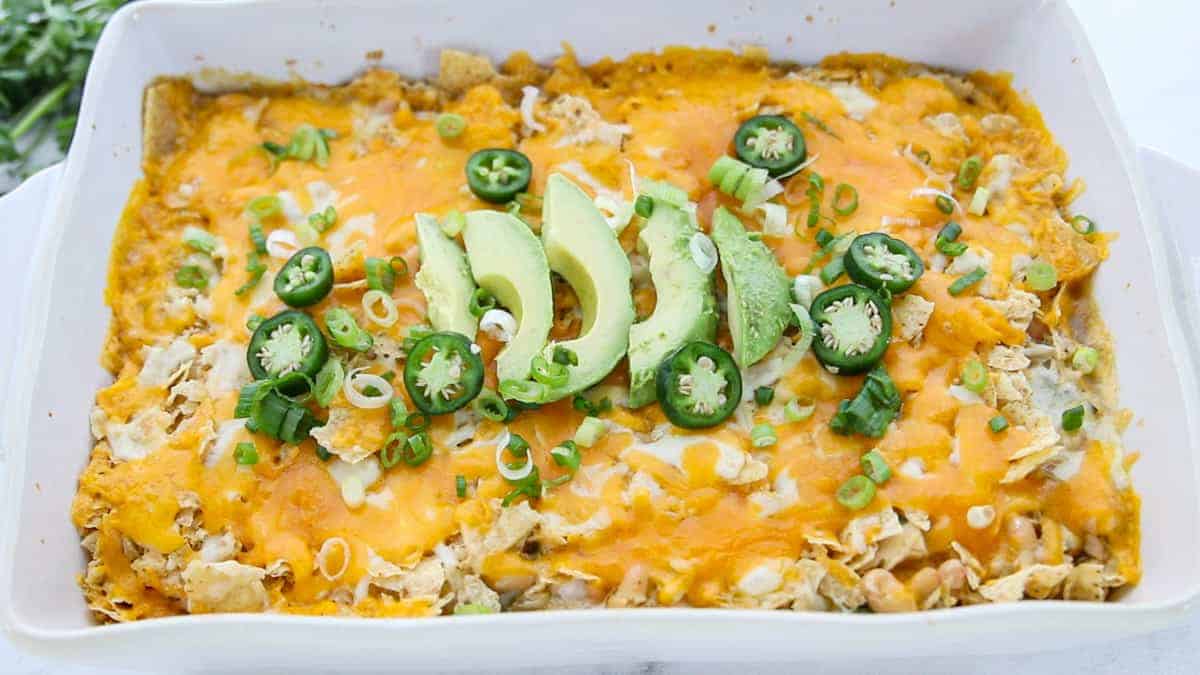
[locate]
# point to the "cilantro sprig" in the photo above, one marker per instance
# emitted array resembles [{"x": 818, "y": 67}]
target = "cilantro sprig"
[{"x": 45, "y": 49}]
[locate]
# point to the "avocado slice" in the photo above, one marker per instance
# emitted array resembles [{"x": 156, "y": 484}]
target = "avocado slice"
[
  {"x": 756, "y": 290},
  {"x": 509, "y": 263},
  {"x": 445, "y": 279},
  {"x": 686, "y": 309},
  {"x": 582, "y": 248}
]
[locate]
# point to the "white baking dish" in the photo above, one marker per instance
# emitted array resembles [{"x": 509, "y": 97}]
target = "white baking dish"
[{"x": 56, "y": 370}]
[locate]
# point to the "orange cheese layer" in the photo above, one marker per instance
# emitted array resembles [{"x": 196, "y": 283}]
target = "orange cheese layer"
[{"x": 700, "y": 533}]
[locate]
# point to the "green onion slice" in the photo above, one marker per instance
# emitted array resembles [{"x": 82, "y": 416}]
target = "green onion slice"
[
  {"x": 643, "y": 206},
  {"x": 450, "y": 125},
  {"x": 845, "y": 199},
  {"x": 875, "y": 467},
  {"x": 998, "y": 423},
  {"x": 567, "y": 455},
  {"x": 245, "y": 454},
  {"x": 856, "y": 493},
  {"x": 589, "y": 432},
  {"x": 975, "y": 376},
  {"x": 199, "y": 239},
  {"x": 763, "y": 435},
  {"x": 1041, "y": 276},
  {"x": 1072, "y": 418},
  {"x": 397, "y": 412},
  {"x": 1083, "y": 225},
  {"x": 549, "y": 373},
  {"x": 490, "y": 405},
  {"x": 798, "y": 410},
  {"x": 968, "y": 172},
  {"x": 329, "y": 382},
  {"x": 380, "y": 276},
  {"x": 966, "y": 281}
]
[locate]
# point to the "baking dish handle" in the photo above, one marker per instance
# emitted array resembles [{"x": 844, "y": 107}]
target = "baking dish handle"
[
  {"x": 1173, "y": 186},
  {"x": 22, "y": 212}
]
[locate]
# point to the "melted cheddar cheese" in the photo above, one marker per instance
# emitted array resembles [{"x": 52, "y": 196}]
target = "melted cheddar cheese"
[{"x": 655, "y": 516}]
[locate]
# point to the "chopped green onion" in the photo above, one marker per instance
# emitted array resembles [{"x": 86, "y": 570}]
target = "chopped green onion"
[
  {"x": 947, "y": 240},
  {"x": 417, "y": 449},
  {"x": 393, "y": 449},
  {"x": 265, "y": 206},
  {"x": 998, "y": 423},
  {"x": 454, "y": 224},
  {"x": 191, "y": 276},
  {"x": 564, "y": 356},
  {"x": 1041, "y": 276},
  {"x": 415, "y": 334},
  {"x": 1072, "y": 418},
  {"x": 253, "y": 322},
  {"x": 583, "y": 405},
  {"x": 830, "y": 272},
  {"x": 738, "y": 179},
  {"x": 257, "y": 269},
  {"x": 944, "y": 204},
  {"x": 345, "y": 331},
  {"x": 856, "y": 493},
  {"x": 840, "y": 194},
  {"x": 489, "y": 405},
  {"x": 549, "y": 373},
  {"x": 417, "y": 421},
  {"x": 979, "y": 201},
  {"x": 323, "y": 454},
  {"x": 763, "y": 435},
  {"x": 525, "y": 391},
  {"x": 567, "y": 455},
  {"x": 245, "y": 454},
  {"x": 480, "y": 302},
  {"x": 664, "y": 192},
  {"x": 324, "y": 220},
  {"x": 643, "y": 206},
  {"x": 258, "y": 238},
  {"x": 517, "y": 446},
  {"x": 249, "y": 395},
  {"x": 380, "y": 276},
  {"x": 798, "y": 410},
  {"x": 823, "y": 237},
  {"x": 329, "y": 382},
  {"x": 814, "y": 208},
  {"x": 974, "y": 376},
  {"x": 816, "y": 122},
  {"x": 875, "y": 467},
  {"x": 816, "y": 181},
  {"x": 200, "y": 240},
  {"x": 460, "y": 486},
  {"x": 1085, "y": 359},
  {"x": 967, "y": 280},
  {"x": 397, "y": 412},
  {"x": 450, "y": 125},
  {"x": 308, "y": 144},
  {"x": 590, "y": 430},
  {"x": 968, "y": 172},
  {"x": 1083, "y": 225},
  {"x": 764, "y": 395}
]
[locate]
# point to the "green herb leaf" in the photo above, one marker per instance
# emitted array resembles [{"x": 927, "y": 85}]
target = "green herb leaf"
[{"x": 872, "y": 410}]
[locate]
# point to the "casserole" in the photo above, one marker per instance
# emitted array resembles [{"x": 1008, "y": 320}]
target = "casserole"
[{"x": 1131, "y": 305}]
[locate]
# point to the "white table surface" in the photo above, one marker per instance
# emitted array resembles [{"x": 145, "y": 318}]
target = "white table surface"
[{"x": 1149, "y": 53}]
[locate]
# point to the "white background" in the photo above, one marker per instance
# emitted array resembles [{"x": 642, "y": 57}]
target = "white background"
[{"x": 1149, "y": 53}]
